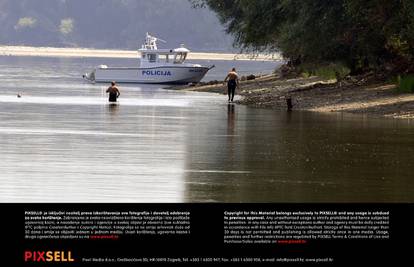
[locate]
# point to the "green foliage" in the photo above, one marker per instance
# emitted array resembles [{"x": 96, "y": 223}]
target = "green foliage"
[
  {"x": 406, "y": 84},
  {"x": 362, "y": 34},
  {"x": 25, "y": 22},
  {"x": 327, "y": 71},
  {"x": 66, "y": 26}
]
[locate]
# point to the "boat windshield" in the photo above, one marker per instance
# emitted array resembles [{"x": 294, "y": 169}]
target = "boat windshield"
[
  {"x": 152, "y": 57},
  {"x": 180, "y": 58}
]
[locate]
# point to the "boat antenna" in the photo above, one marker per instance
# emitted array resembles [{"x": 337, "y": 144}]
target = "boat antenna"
[{"x": 151, "y": 42}]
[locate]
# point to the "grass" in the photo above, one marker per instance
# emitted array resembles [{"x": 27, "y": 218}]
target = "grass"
[
  {"x": 405, "y": 84},
  {"x": 331, "y": 71}
]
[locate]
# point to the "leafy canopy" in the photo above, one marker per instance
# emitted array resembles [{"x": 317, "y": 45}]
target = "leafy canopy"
[{"x": 361, "y": 34}]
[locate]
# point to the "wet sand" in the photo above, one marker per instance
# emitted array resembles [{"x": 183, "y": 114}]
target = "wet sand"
[{"x": 106, "y": 53}]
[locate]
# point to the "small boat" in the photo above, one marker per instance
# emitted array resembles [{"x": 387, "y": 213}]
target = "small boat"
[{"x": 155, "y": 66}]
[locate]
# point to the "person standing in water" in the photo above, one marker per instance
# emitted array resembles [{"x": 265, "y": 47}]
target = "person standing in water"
[
  {"x": 232, "y": 80},
  {"x": 113, "y": 92}
]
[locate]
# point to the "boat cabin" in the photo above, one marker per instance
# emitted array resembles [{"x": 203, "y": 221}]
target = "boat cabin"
[
  {"x": 151, "y": 55},
  {"x": 173, "y": 56}
]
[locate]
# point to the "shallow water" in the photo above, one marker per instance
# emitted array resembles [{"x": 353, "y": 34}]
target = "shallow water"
[{"x": 62, "y": 142}]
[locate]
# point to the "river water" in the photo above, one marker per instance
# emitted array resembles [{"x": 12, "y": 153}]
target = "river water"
[{"x": 62, "y": 142}]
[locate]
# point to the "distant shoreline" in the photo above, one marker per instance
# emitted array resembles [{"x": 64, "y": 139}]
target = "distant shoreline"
[{"x": 107, "y": 53}]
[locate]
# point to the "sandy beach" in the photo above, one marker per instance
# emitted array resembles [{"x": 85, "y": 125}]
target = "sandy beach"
[{"x": 107, "y": 53}]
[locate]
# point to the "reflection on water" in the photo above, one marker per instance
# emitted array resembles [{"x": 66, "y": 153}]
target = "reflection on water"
[
  {"x": 62, "y": 141},
  {"x": 113, "y": 108},
  {"x": 293, "y": 157}
]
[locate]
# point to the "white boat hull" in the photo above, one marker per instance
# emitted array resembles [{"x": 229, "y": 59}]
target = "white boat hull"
[{"x": 170, "y": 74}]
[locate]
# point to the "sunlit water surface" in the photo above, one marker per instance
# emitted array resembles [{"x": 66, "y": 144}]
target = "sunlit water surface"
[{"x": 62, "y": 142}]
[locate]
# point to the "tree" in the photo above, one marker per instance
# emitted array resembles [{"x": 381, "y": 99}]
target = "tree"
[{"x": 362, "y": 34}]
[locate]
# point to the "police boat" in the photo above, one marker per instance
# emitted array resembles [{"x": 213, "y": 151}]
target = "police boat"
[{"x": 155, "y": 66}]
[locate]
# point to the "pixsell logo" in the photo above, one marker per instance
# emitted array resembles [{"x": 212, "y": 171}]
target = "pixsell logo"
[{"x": 48, "y": 256}]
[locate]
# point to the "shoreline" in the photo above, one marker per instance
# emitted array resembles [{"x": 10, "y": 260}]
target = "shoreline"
[
  {"x": 271, "y": 91},
  {"x": 108, "y": 53},
  {"x": 321, "y": 95}
]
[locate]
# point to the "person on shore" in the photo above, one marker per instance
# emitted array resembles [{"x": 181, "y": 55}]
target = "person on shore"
[
  {"x": 113, "y": 92},
  {"x": 232, "y": 80}
]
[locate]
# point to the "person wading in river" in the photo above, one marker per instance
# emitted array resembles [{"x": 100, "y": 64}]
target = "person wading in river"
[
  {"x": 232, "y": 80},
  {"x": 113, "y": 92}
]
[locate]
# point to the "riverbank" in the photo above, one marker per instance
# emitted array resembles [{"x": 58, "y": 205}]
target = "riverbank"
[
  {"x": 107, "y": 53},
  {"x": 322, "y": 95}
]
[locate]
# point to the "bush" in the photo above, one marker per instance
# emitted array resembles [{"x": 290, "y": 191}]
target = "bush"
[{"x": 406, "y": 84}]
